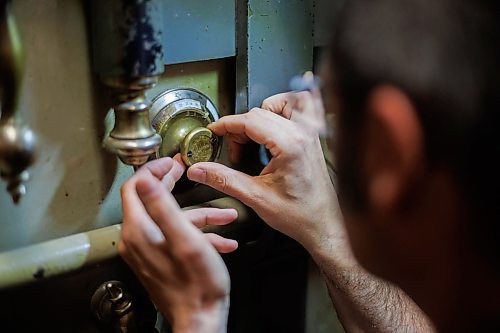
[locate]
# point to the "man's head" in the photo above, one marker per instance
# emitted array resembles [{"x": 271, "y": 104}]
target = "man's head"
[{"x": 417, "y": 88}]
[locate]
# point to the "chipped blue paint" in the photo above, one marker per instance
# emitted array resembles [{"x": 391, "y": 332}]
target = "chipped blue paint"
[{"x": 127, "y": 37}]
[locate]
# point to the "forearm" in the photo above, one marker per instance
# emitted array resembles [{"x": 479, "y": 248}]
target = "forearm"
[{"x": 364, "y": 303}]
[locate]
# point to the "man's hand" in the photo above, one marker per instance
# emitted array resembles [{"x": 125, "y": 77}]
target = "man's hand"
[
  {"x": 178, "y": 265},
  {"x": 293, "y": 193},
  {"x": 305, "y": 108}
]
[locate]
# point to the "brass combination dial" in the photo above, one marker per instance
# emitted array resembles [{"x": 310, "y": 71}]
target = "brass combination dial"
[{"x": 181, "y": 117}]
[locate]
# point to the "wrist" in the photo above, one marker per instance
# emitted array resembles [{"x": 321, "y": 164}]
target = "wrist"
[
  {"x": 327, "y": 242},
  {"x": 211, "y": 319}
]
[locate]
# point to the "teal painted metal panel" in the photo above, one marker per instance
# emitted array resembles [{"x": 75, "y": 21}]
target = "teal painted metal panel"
[
  {"x": 280, "y": 45},
  {"x": 198, "y": 30}
]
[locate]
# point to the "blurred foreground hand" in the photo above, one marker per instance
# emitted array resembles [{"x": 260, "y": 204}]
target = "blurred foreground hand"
[{"x": 177, "y": 264}]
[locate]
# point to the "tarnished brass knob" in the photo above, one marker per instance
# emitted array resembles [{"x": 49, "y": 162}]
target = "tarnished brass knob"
[
  {"x": 199, "y": 145},
  {"x": 180, "y": 117}
]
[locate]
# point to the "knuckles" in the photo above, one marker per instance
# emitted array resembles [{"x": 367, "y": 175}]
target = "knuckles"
[
  {"x": 304, "y": 96},
  {"x": 299, "y": 142},
  {"x": 281, "y": 99},
  {"x": 190, "y": 253},
  {"x": 269, "y": 102},
  {"x": 256, "y": 199},
  {"x": 219, "y": 181},
  {"x": 253, "y": 112}
]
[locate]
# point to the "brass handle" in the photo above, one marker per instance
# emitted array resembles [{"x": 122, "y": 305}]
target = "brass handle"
[{"x": 17, "y": 141}]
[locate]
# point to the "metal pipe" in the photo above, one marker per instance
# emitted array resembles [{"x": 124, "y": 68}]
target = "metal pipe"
[
  {"x": 59, "y": 256},
  {"x": 71, "y": 253}
]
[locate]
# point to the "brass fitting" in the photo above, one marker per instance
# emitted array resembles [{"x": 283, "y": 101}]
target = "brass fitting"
[{"x": 132, "y": 139}]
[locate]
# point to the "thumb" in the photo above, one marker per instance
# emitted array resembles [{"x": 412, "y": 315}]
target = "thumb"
[{"x": 234, "y": 183}]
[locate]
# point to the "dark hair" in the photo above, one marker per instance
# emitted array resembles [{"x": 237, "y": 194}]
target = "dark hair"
[{"x": 445, "y": 55}]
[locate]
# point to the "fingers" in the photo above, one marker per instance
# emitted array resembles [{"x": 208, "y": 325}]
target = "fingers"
[
  {"x": 283, "y": 138},
  {"x": 285, "y": 103},
  {"x": 168, "y": 170},
  {"x": 276, "y": 103},
  {"x": 157, "y": 168},
  {"x": 187, "y": 244},
  {"x": 221, "y": 244},
  {"x": 258, "y": 125},
  {"x": 268, "y": 128},
  {"x": 137, "y": 224},
  {"x": 175, "y": 173},
  {"x": 164, "y": 211},
  {"x": 305, "y": 108},
  {"x": 135, "y": 217},
  {"x": 185, "y": 259},
  {"x": 202, "y": 217},
  {"x": 235, "y": 144},
  {"x": 279, "y": 104},
  {"x": 226, "y": 180}
]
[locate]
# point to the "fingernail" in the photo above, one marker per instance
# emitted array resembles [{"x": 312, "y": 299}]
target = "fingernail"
[
  {"x": 197, "y": 174},
  {"x": 235, "y": 212},
  {"x": 233, "y": 243}
]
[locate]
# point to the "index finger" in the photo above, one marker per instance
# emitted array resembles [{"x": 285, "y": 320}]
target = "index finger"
[
  {"x": 258, "y": 125},
  {"x": 135, "y": 219},
  {"x": 162, "y": 208},
  {"x": 278, "y": 104},
  {"x": 168, "y": 170}
]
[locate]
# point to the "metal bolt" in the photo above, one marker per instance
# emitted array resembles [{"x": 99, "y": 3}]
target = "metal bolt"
[{"x": 115, "y": 293}]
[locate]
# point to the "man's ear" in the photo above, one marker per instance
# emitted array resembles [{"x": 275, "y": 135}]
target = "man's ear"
[{"x": 394, "y": 148}]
